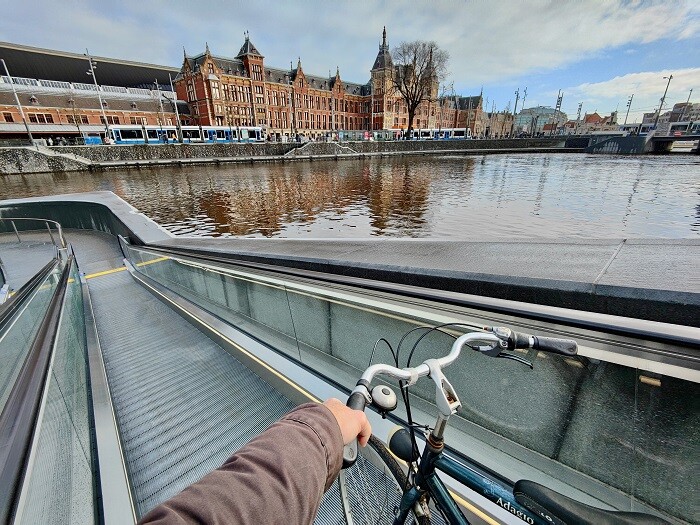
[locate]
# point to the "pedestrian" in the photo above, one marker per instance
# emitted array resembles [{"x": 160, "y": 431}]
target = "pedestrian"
[{"x": 50, "y": 141}]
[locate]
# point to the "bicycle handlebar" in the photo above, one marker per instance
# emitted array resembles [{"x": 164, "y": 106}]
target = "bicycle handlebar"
[{"x": 497, "y": 339}]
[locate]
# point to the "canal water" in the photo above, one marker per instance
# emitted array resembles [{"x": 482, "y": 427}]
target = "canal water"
[{"x": 543, "y": 196}]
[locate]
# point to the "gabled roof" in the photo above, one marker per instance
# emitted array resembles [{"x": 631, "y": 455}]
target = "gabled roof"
[
  {"x": 230, "y": 66},
  {"x": 470, "y": 102},
  {"x": 248, "y": 49},
  {"x": 593, "y": 118}
]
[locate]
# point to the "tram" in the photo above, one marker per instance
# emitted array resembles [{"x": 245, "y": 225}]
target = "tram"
[
  {"x": 125, "y": 134},
  {"x": 441, "y": 134}
]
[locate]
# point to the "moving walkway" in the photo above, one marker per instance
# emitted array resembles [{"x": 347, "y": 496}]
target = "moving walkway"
[{"x": 133, "y": 403}]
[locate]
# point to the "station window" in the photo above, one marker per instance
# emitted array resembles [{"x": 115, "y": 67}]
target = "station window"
[
  {"x": 8, "y": 117},
  {"x": 41, "y": 118},
  {"x": 111, "y": 119}
]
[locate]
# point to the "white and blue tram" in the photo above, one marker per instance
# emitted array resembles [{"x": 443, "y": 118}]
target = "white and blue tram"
[
  {"x": 441, "y": 134},
  {"x": 134, "y": 134}
]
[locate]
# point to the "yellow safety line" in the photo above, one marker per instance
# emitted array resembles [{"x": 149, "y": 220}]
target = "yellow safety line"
[
  {"x": 259, "y": 361},
  {"x": 114, "y": 270},
  {"x": 106, "y": 272}
]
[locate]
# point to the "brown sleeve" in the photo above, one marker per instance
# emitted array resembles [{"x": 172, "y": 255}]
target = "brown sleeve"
[{"x": 279, "y": 477}]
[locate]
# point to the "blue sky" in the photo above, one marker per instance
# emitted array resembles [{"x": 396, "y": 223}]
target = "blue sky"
[{"x": 597, "y": 52}]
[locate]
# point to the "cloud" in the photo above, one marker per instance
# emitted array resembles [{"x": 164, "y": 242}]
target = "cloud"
[
  {"x": 490, "y": 43},
  {"x": 648, "y": 87}
]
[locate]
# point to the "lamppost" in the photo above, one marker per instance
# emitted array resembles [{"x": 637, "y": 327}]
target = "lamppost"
[
  {"x": 629, "y": 105},
  {"x": 685, "y": 107},
  {"x": 515, "y": 110},
  {"x": 19, "y": 106},
  {"x": 658, "y": 113},
  {"x": 161, "y": 117},
  {"x": 93, "y": 65},
  {"x": 177, "y": 113}
]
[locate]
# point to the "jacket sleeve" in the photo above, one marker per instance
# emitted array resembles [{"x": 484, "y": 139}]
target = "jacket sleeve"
[{"x": 277, "y": 478}]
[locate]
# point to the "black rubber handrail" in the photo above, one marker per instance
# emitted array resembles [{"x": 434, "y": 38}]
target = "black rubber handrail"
[
  {"x": 9, "y": 307},
  {"x": 18, "y": 418},
  {"x": 578, "y": 319}
]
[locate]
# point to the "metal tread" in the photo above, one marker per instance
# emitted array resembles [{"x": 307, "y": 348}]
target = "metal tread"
[{"x": 183, "y": 404}]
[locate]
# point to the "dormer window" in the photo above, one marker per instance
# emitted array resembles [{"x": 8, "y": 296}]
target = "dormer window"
[
  {"x": 33, "y": 100},
  {"x": 133, "y": 105},
  {"x": 211, "y": 68}
]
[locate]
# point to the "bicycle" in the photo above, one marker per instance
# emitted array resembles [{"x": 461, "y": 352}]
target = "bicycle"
[{"x": 416, "y": 493}]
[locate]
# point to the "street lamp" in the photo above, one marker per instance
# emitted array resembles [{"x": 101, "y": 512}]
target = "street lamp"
[
  {"x": 93, "y": 65},
  {"x": 658, "y": 113},
  {"x": 19, "y": 106},
  {"x": 629, "y": 104}
]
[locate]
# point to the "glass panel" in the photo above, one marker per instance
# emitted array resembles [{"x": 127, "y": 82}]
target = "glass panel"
[
  {"x": 632, "y": 431},
  {"x": 59, "y": 482},
  {"x": 255, "y": 306},
  {"x": 19, "y": 335}
]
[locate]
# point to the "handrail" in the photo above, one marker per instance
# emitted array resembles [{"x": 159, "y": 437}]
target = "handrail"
[
  {"x": 47, "y": 222},
  {"x": 665, "y": 333},
  {"x": 9, "y": 307},
  {"x": 18, "y": 418}
]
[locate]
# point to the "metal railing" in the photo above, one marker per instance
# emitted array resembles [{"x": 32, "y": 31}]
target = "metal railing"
[{"x": 61, "y": 244}]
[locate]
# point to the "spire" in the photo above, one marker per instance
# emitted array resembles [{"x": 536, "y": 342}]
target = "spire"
[
  {"x": 207, "y": 49},
  {"x": 298, "y": 62},
  {"x": 383, "y": 59},
  {"x": 184, "y": 53}
]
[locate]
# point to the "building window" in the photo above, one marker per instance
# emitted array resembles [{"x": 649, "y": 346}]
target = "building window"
[
  {"x": 190, "y": 91},
  {"x": 41, "y": 118},
  {"x": 215, "y": 93},
  {"x": 8, "y": 117},
  {"x": 111, "y": 119},
  {"x": 210, "y": 67}
]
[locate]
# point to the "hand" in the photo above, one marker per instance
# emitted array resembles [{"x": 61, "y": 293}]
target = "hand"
[{"x": 353, "y": 423}]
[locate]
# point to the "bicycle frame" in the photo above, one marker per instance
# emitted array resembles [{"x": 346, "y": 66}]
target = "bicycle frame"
[{"x": 427, "y": 478}]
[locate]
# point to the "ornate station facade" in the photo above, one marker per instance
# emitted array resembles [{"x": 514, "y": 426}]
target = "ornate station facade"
[{"x": 243, "y": 91}]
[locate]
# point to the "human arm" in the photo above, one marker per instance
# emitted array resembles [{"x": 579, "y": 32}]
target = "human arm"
[{"x": 279, "y": 477}]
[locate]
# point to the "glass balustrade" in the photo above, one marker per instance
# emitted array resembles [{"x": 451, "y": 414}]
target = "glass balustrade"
[
  {"x": 18, "y": 335},
  {"x": 59, "y": 484},
  {"x": 633, "y": 430}
]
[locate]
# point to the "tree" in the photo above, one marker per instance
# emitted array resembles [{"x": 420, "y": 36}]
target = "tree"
[{"x": 419, "y": 67}]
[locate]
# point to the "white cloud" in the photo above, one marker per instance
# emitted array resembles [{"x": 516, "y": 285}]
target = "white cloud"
[{"x": 648, "y": 87}]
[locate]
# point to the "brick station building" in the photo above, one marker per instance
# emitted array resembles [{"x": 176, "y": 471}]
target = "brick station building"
[
  {"x": 243, "y": 91},
  {"x": 60, "y": 101}
]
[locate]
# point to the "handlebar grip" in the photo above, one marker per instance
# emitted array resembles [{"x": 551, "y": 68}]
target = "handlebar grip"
[
  {"x": 556, "y": 346},
  {"x": 356, "y": 401}
]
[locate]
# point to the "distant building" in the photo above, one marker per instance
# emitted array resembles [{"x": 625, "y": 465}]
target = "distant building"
[
  {"x": 291, "y": 102},
  {"x": 533, "y": 120},
  {"x": 60, "y": 100}
]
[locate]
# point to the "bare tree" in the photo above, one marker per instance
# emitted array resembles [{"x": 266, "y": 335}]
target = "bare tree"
[{"x": 419, "y": 67}]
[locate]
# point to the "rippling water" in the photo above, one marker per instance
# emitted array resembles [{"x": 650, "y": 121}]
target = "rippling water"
[{"x": 479, "y": 197}]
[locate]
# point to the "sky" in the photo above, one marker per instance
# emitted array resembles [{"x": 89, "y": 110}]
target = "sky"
[{"x": 598, "y": 53}]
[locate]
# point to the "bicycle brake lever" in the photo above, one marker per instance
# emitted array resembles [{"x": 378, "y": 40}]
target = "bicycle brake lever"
[{"x": 508, "y": 355}]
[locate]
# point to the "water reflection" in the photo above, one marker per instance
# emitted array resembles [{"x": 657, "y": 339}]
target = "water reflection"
[{"x": 452, "y": 197}]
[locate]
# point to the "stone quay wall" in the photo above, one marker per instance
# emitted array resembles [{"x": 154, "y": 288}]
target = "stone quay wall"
[
  {"x": 77, "y": 158},
  {"x": 33, "y": 160}
]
